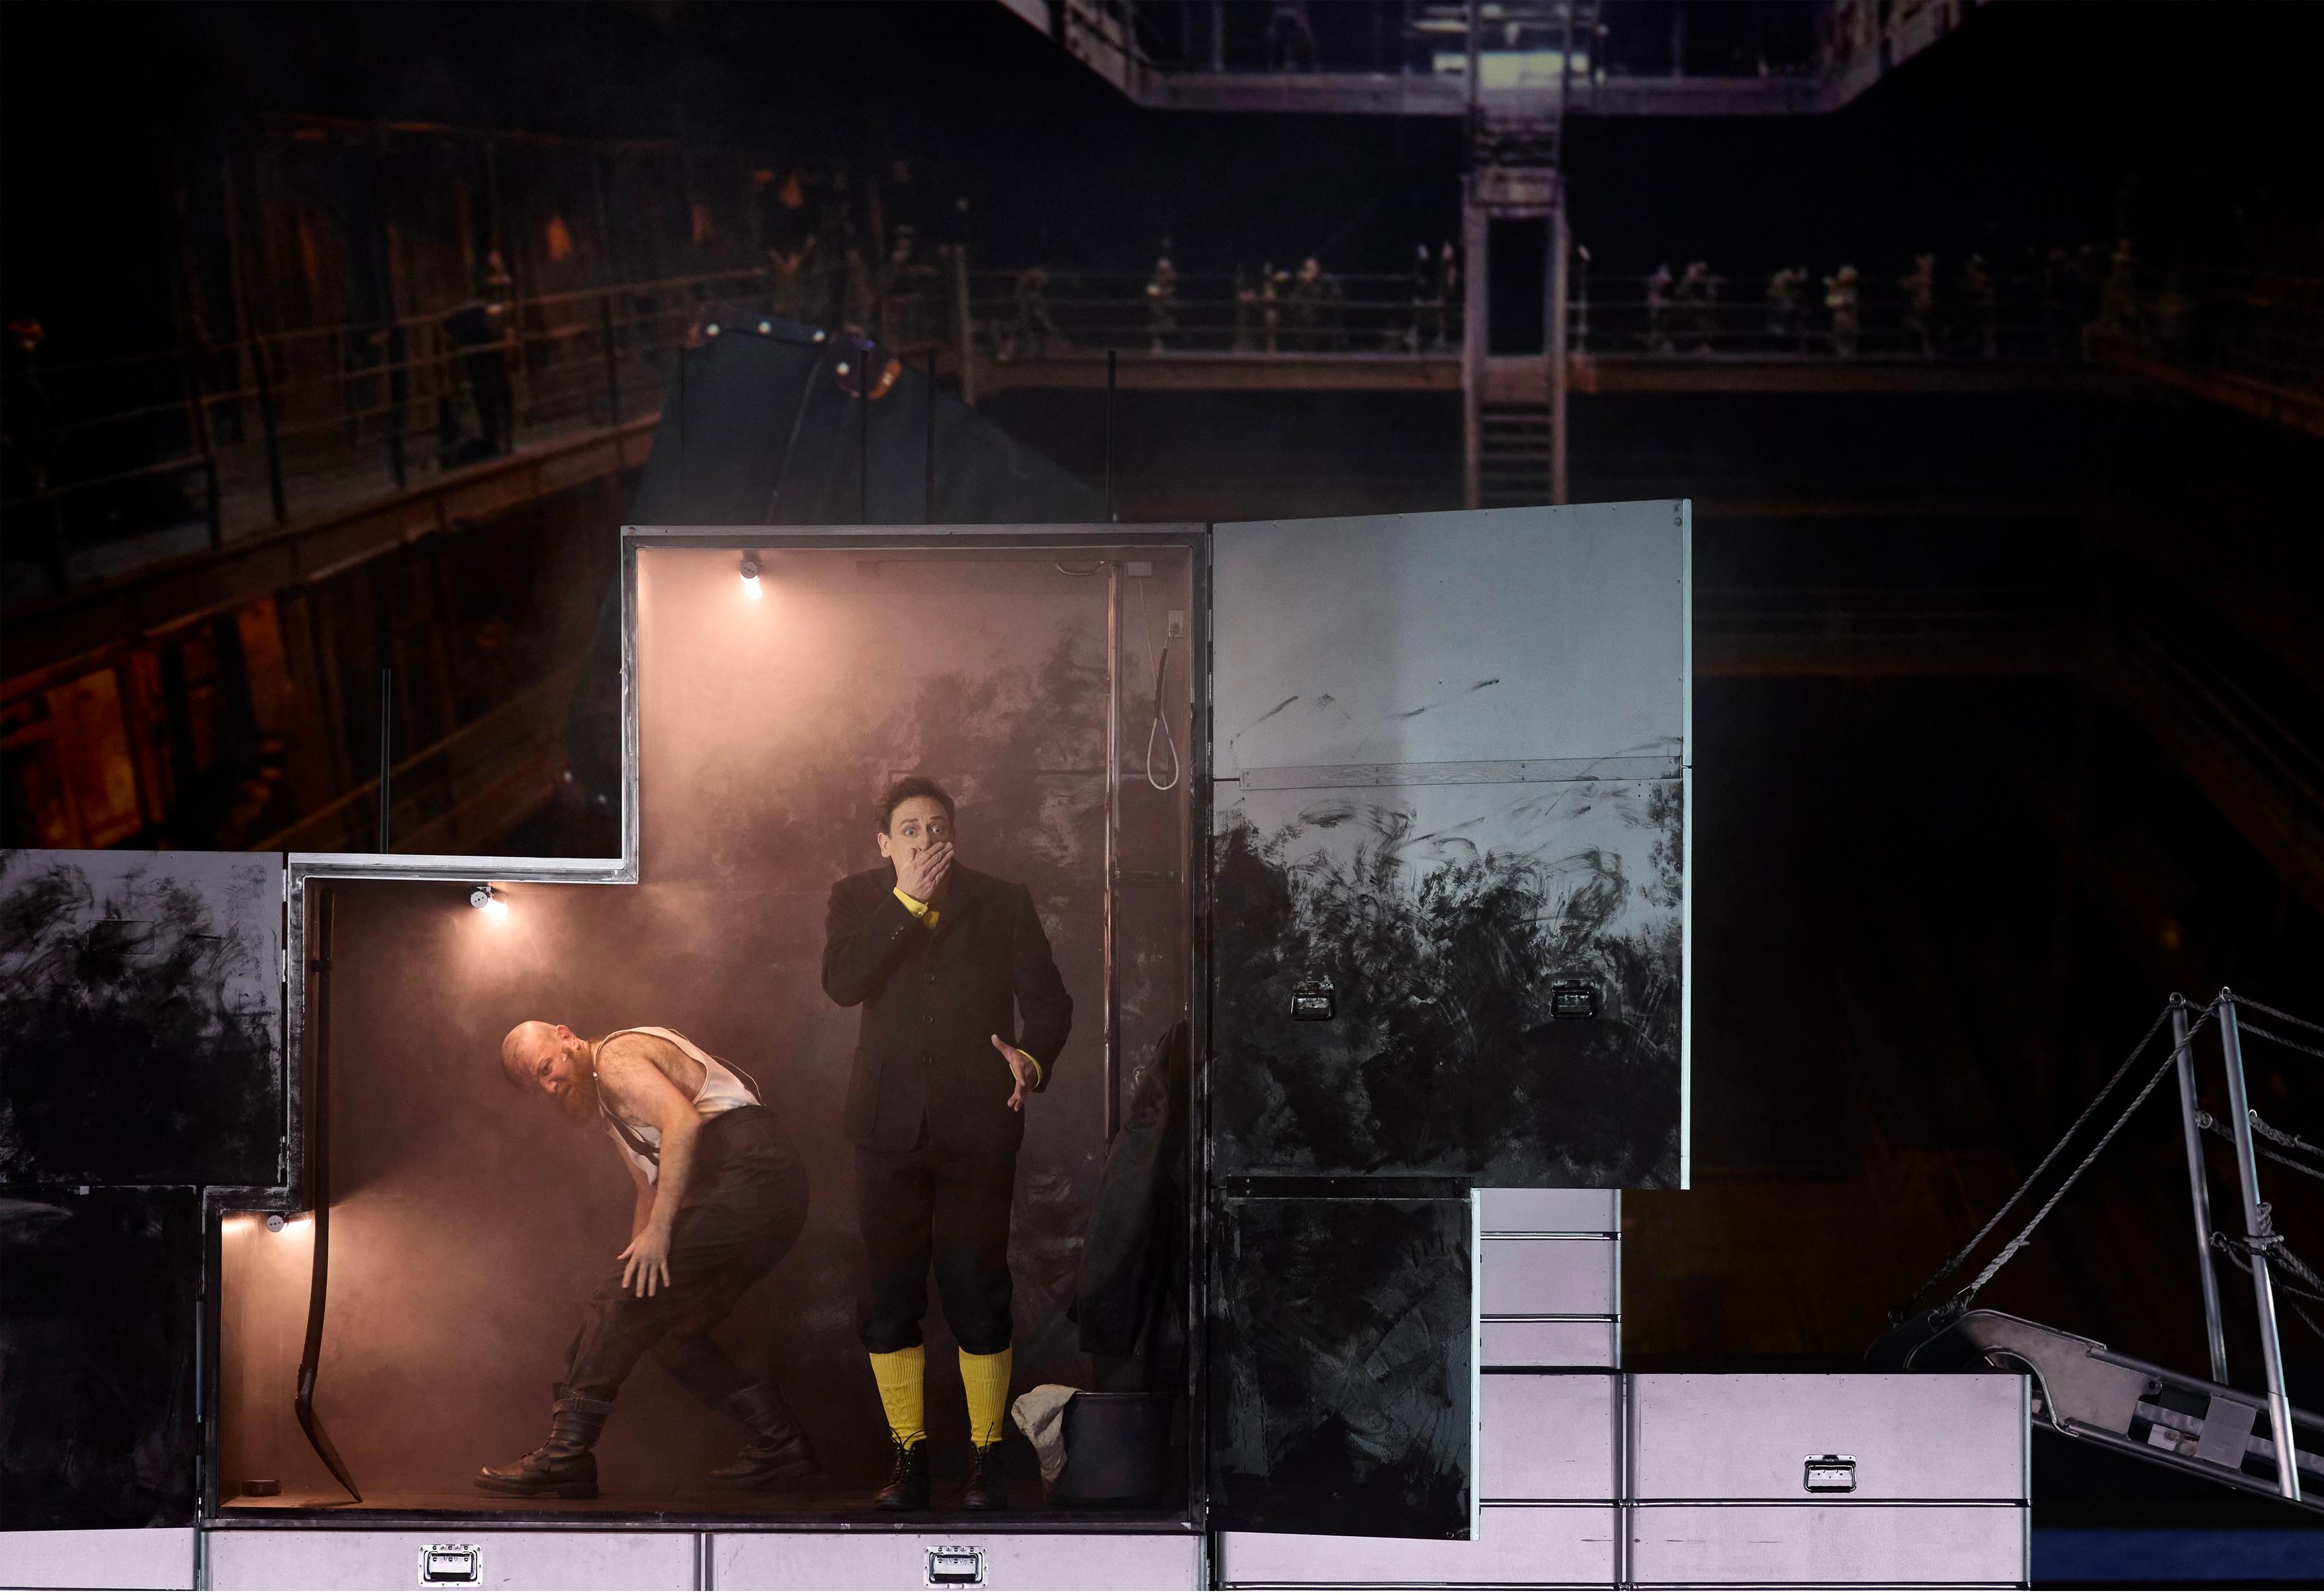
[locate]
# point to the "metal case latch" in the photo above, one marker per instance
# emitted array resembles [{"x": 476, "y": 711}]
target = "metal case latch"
[
  {"x": 1830, "y": 1475},
  {"x": 1572, "y": 999},
  {"x": 955, "y": 1564},
  {"x": 1312, "y": 1000},
  {"x": 451, "y": 1564}
]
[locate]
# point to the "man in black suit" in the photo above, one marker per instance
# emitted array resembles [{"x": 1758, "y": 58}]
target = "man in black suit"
[{"x": 942, "y": 959}]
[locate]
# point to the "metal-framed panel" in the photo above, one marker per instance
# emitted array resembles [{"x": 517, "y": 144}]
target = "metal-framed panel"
[
  {"x": 1546, "y": 1437},
  {"x": 1344, "y": 1374},
  {"x": 1796, "y": 1546},
  {"x": 414, "y": 1558},
  {"x": 1507, "y": 1211},
  {"x": 99, "y": 1351},
  {"x": 1562, "y": 1276},
  {"x": 145, "y": 1037},
  {"x": 1551, "y": 1343},
  {"x": 99, "y": 1559},
  {"x": 1890, "y": 1437},
  {"x": 917, "y": 1557},
  {"x": 1449, "y": 859},
  {"x": 1532, "y": 1547},
  {"x": 1533, "y": 634}
]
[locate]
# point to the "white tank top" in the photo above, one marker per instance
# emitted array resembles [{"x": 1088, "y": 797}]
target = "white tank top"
[{"x": 721, "y": 1091}]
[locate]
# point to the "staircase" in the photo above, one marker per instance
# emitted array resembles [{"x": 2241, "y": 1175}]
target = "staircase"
[{"x": 1513, "y": 455}]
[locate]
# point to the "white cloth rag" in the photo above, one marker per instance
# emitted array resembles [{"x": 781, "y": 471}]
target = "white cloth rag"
[{"x": 1040, "y": 1412}]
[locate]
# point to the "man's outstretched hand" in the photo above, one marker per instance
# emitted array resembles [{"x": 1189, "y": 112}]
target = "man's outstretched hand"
[
  {"x": 1021, "y": 1064},
  {"x": 645, "y": 1260},
  {"x": 920, "y": 871}
]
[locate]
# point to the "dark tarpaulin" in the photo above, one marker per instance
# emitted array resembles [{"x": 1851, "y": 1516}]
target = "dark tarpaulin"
[
  {"x": 1130, "y": 1300},
  {"x": 760, "y": 429}
]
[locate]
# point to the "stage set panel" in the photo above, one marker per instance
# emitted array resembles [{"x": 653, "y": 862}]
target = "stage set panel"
[
  {"x": 1449, "y": 891},
  {"x": 144, "y": 1041},
  {"x": 470, "y": 1224}
]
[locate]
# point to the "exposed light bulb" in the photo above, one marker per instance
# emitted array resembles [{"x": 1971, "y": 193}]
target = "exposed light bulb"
[
  {"x": 493, "y": 903},
  {"x": 751, "y": 578}
]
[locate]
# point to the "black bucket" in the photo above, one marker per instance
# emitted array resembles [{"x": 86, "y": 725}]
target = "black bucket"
[{"x": 1117, "y": 1449}]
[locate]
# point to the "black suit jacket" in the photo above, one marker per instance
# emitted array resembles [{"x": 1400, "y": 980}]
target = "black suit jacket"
[{"x": 933, "y": 1001}]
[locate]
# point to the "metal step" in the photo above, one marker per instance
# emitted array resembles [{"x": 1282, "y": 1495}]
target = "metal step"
[{"x": 2175, "y": 1420}]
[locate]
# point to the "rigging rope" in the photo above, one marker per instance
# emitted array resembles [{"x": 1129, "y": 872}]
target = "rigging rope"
[
  {"x": 2249, "y": 1029},
  {"x": 2042, "y": 1167},
  {"x": 2243, "y": 1001},
  {"x": 2234, "y": 1255},
  {"x": 2205, "y": 1122},
  {"x": 2025, "y": 1234}
]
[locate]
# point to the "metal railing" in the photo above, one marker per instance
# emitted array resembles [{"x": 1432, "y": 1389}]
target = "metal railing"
[
  {"x": 1520, "y": 42},
  {"x": 1036, "y": 313},
  {"x": 1997, "y": 317},
  {"x": 233, "y": 439},
  {"x": 2266, "y": 327},
  {"x": 206, "y": 444}
]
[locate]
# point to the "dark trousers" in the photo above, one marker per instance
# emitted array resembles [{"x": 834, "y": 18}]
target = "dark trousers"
[
  {"x": 950, "y": 1208},
  {"x": 746, "y": 1205}
]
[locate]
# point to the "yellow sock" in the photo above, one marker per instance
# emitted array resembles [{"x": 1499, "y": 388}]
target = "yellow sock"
[
  {"x": 899, "y": 1378},
  {"x": 986, "y": 1380}
]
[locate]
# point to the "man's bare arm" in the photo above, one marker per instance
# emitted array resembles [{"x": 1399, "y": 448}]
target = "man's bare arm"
[
  {"x": 638, "y": 1090},
  {"x": 643, "y": 1208}
]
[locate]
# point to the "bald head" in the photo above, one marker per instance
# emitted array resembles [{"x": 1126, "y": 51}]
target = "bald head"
[
  {"x": 522, "y": 1044},
  {"x": 550, "y": 1058}
]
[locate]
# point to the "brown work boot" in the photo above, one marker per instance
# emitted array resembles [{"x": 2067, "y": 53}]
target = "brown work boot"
[
  {"x": 777, "y": 1451},
  {"x": 906, "y": 1490},
  {"x": 988, "y": 1481},
  {"x": 564, "y": 1467}
]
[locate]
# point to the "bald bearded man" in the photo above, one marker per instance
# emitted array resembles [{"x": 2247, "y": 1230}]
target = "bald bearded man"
[{"x": 721, "y": 1196}]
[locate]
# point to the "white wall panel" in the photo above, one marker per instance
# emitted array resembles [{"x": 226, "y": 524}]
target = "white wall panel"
[
  {"x": 1549, "y": 1276},
  {"x": 97, "y": 1559},
  {"x": 1833, "y": 1544},
  {"x": 1740, "y": 1438},
  {"x": 881, "y": 1559},
  {"x": 389, "y": 1559},
  {"x": 1546, "y": 1437},
  {"x": 1550, "y": 1342},
  {"x": 1518, "y": 1545},
  {"x": 1591, "y": 1213}
]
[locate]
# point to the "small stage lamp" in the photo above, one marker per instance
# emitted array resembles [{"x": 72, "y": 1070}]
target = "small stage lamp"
[{"x": 750, "y": 576}]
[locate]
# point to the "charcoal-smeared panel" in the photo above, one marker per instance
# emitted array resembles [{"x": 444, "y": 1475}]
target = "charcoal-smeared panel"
[
  {"x": 1342, "y": 1331},
  {"x": 1446, "y": 919},
  {"x": 144, "y": 1001},
  {"x": 96, "y": 1358}
]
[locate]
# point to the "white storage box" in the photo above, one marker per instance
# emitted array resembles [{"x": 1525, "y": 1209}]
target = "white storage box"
[
  {"x": 1523, "y": 1545},
  {"x": 933, "y": 1558},
  {"x": 449, "y": 1558}
]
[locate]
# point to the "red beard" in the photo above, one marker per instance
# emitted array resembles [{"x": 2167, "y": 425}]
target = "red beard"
[{"x": 578, "y": 1104}]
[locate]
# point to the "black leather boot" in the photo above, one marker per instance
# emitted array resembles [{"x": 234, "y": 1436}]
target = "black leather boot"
[
  {"x": 988, "y": 1481},
  {"x": 564, "y": 1467},
  {"x": 906, "y": 1490},
  {"x": 777, "y": 1451}
]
